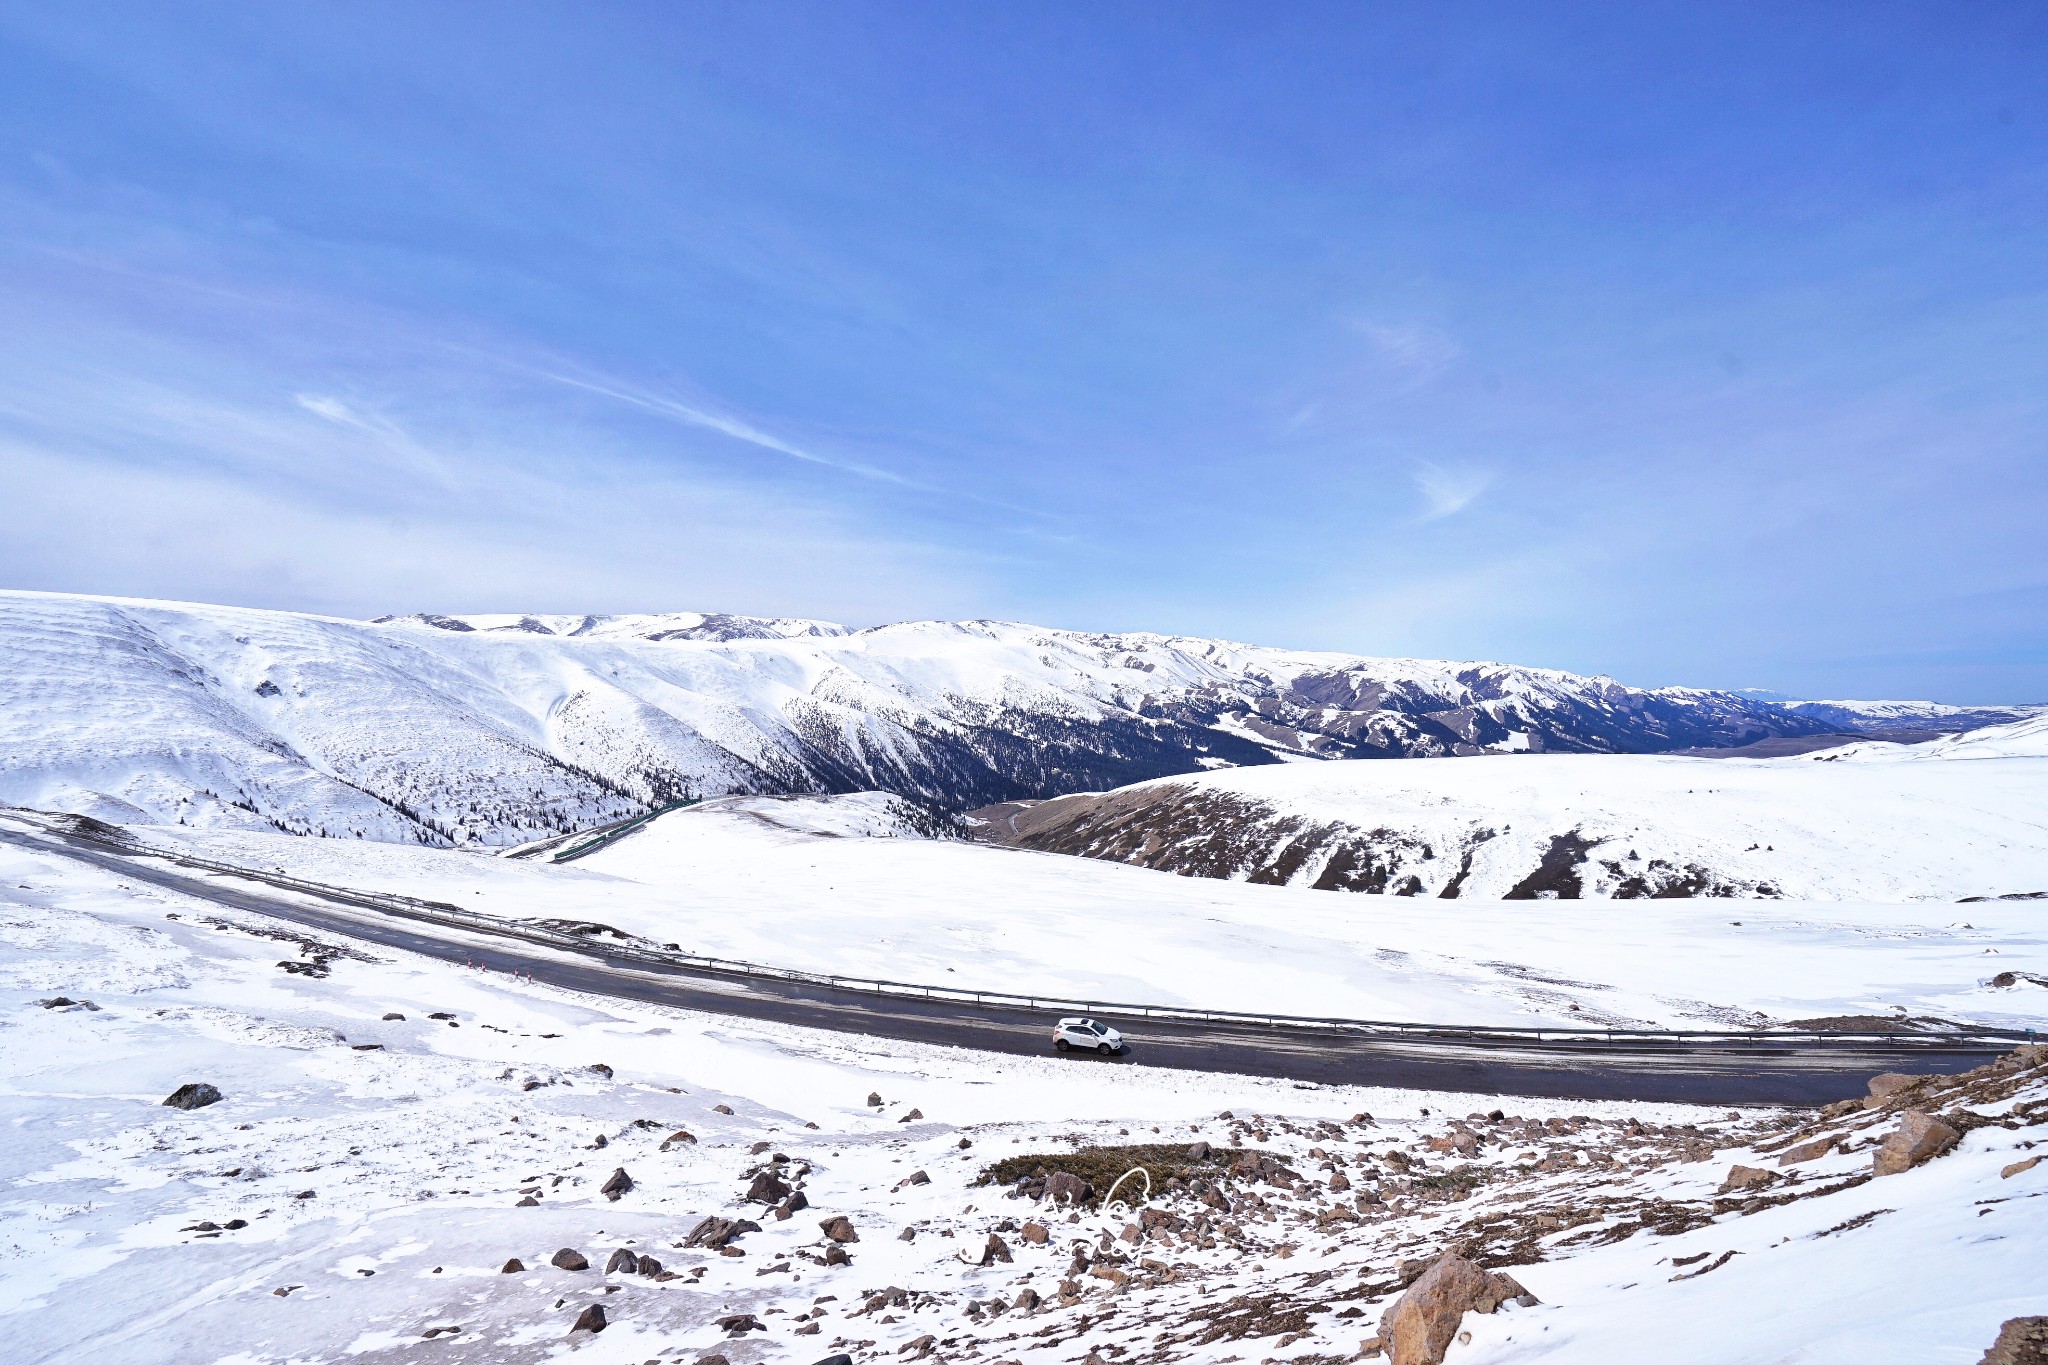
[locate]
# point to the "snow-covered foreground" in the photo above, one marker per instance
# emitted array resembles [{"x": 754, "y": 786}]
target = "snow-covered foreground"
[
  {"x": 1965, "y": 816},
  {"x": 760, "y": 880},
  {"x": 360, "y": 1186}
]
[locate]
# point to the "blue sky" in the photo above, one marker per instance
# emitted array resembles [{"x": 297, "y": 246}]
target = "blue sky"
[{"x": 1691, "y": 344}]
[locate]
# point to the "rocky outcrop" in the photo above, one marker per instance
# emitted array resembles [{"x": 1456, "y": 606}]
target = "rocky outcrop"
[
  {"x": 194, "y": 1095},
  {"x": 2021, "y": 1341}
]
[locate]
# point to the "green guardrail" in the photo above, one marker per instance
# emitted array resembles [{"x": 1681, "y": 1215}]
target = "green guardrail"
[{"x": 611, "y": 832}]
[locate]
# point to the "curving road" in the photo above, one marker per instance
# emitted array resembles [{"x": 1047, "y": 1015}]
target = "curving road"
[{"x": 1701, "y": 1071}]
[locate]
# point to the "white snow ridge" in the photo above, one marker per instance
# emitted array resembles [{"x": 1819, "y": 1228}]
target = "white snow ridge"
[{"x": 678, "y": 988}]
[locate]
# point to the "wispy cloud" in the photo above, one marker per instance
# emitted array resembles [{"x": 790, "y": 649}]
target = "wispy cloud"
[
  {"x": 1448, "y": 492},
  {"x": 1416, "y": 351},
  {"x": 725, "y": 426}
]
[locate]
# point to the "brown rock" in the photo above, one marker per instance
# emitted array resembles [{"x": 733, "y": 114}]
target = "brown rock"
[
  {"x": 1027, "y": 1299},
  {"x": 1807, "y": 1151},
  {"x": 514, "y": 1266},
  {"x": 1919, "y": 1137},
  {"x": 1891, "y": 1083},
  {"x": 622, "y": 1259},
  {"x": 681, "y": 1137},
  {"x": 721, "y": 1109},
  {"x": 874, "y": 1099},
  {"x": 650, "y": 1267},
  {"x": 1422, "y": 1323},
  {"x": 839, "y": 1228},
  {"x": 767, "y": 1189},
  {"x": 907, "y": 1235},
  {"x": 1062, "y": 1187},
  {"x": 590, "y": 1319},
  {"x": 616, "y": 1184},
  {"x": 568, "y": 1258},
  {"x": 912, "y": 1117},
  {"x": 836, "y": 1255},
  {"x": 1746, "y": 1178},
  {"x": 1339, "y": 1182},
  {"x": 1036, "y": 1234},
  {"x": 739, "y": 1324},
  {"x": 2021, "y": 1341},
  {"x": 996, "y": 1250},
  {"x": 2019, "y": 1168}
]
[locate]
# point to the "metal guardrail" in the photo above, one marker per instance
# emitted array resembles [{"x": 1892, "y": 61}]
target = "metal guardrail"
[{"x": 455, "y": 917}]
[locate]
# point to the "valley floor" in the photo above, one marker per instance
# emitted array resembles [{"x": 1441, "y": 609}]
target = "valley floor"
[{"x": 793, "y": 884}]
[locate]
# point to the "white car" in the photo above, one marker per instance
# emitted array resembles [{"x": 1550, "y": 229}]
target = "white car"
[{"x": 1087, "y": 1034}]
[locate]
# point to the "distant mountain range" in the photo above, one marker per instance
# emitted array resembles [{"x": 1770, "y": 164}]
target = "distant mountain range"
[{"x": 502, "y": 729}]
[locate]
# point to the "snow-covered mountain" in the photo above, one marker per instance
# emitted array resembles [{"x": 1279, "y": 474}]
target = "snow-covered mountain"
[
  {"x": 1965, "y": 816},
  {"x": 502, "y": 729}
]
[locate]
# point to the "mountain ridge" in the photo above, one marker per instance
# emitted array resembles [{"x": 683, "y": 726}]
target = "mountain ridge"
[{"x": 500, "y": 728}]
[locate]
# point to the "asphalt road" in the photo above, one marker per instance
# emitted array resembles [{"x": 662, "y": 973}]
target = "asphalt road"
[{"x": 1717, "y": 1072}]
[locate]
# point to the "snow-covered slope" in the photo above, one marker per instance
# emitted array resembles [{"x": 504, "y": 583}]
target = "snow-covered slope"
[
  {"x": 1965, "y": 816},
  {"x": 506, "y": 729},
  {"x": 394, "y": 1132}
]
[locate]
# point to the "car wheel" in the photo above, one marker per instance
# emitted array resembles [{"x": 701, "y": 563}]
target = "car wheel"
[
  {"x": 1060, "y": 1043},
  {"x": 1105, "y": 1049}
]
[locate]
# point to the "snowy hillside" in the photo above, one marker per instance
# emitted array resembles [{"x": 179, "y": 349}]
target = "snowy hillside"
[
  {"x": 1965, "y": 816},
  {"x": 504, "y": 729}
]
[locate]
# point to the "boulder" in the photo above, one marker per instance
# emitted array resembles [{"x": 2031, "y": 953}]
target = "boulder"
[
  {"x": 1339, "y": 1182},
  {"x": 590, "y": 1319},
  {"x": 2021, "y": 1341},
  {"x": 714, "y": 1232},
  {"x": 836, "y": 1255},
  {"x": 1198, "y": 1151},
  {"x": 907, "y": 1235},
  {"x": 796, "y": 1203},
  {"x": 713, "y": 1360},
  {"x": 996, "y": 1250},
  {"x": 828, "y": 1360},
  {"x": 528, "y": 1202},
  {"x": 1919, "y": 1137},
  {"x": 514, "y": 1266},
  {"x": 767, "y": 1188},
  {"x": 1891, "y": 1083},
  {"x": 1061, "y": 1187},
  {"x": 1807, "y": 1151},
  {"x": 616, "y": 1184},
  {"x": 839, "y": 1228},
  {"x": 622, "y": 1259},
  {"x": 648, "y": 1266},
  {"x": 194, "y": 1095},
  {"x": 568, "y": 1258},
  {"x": 874, "y": 1099},
  {"x": 1422, "y": 1323},
  {"x": 1746, "y": 1178},
  {"x": 2019, "y": 1168},
  {"x": 679, "y": 1138},
  {"x": 1036, "y": 1234},
  {"x": 912, "y": 1117},
  {"x": 721, "y": 1109},
  {"x": 739, "y": 1324}
]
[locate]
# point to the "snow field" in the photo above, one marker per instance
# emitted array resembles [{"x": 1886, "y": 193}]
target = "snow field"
[
  {"x": 757, "y": 881},
  {"x": 417, "y": 1153}
]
